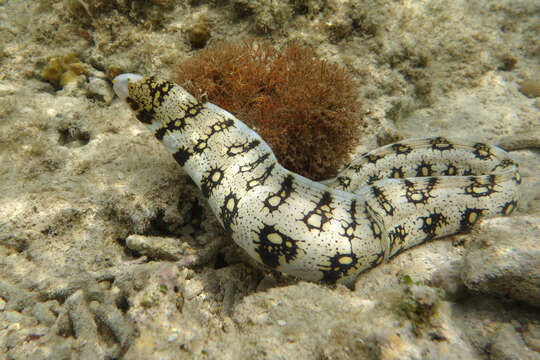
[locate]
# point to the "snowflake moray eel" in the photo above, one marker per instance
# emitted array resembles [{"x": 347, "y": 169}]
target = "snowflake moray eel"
[{"x": 386, "y": 201}]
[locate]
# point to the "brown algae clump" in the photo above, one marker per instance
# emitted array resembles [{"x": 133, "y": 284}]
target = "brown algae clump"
[{"x": 305, "y": 108}]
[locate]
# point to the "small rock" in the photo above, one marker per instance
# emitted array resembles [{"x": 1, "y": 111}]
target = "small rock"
[
  {"x": 198, "y": 35},
  {"x": 531, "y": 335},
  {"x": 84, "y": 327},
  {"x": 100, "y": 90},
  {"x": 192, "y": 288},
  {"x": 42, "y": 312},
  {"x": 163, "y": 248},
  {"x": 506, "y": 344},
  {"x": 505, "y": 260},
  {"x": 530, "y": 88},
  {"x": 113, "y": 318}
]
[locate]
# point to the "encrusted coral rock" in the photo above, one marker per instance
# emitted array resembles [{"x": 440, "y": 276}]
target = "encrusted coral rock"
[
  {"x": 61, "y": 71},
  {"x": 498, "y": 265}
]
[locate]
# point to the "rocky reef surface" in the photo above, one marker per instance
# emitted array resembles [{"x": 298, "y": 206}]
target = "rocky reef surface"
[{"x": 109, "y": 251}]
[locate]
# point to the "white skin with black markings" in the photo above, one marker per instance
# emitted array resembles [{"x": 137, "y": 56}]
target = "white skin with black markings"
[{"x": 386, "y": 201}]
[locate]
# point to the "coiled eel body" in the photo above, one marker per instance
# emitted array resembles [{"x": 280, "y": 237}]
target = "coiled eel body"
[{"x": 386, "y": 201}]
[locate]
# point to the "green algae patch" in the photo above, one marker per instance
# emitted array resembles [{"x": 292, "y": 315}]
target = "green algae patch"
[{"x": 420, "y": 304}]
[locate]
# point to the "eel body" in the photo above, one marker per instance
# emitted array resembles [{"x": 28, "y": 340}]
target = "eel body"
[{"x": 386, "y": 201}]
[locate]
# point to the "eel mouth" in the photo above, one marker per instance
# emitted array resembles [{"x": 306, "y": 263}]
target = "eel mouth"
[{"x": 121, "y": 84}]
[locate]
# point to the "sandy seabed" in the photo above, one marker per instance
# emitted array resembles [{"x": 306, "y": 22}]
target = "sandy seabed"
[{"x": 109, "y": 251}]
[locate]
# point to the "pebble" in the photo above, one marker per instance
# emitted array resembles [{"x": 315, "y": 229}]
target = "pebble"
[
  {"x": 530, "y": 88},
  {"x": 100, "y": 89},
  {"x": 163, "y": 248}
]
